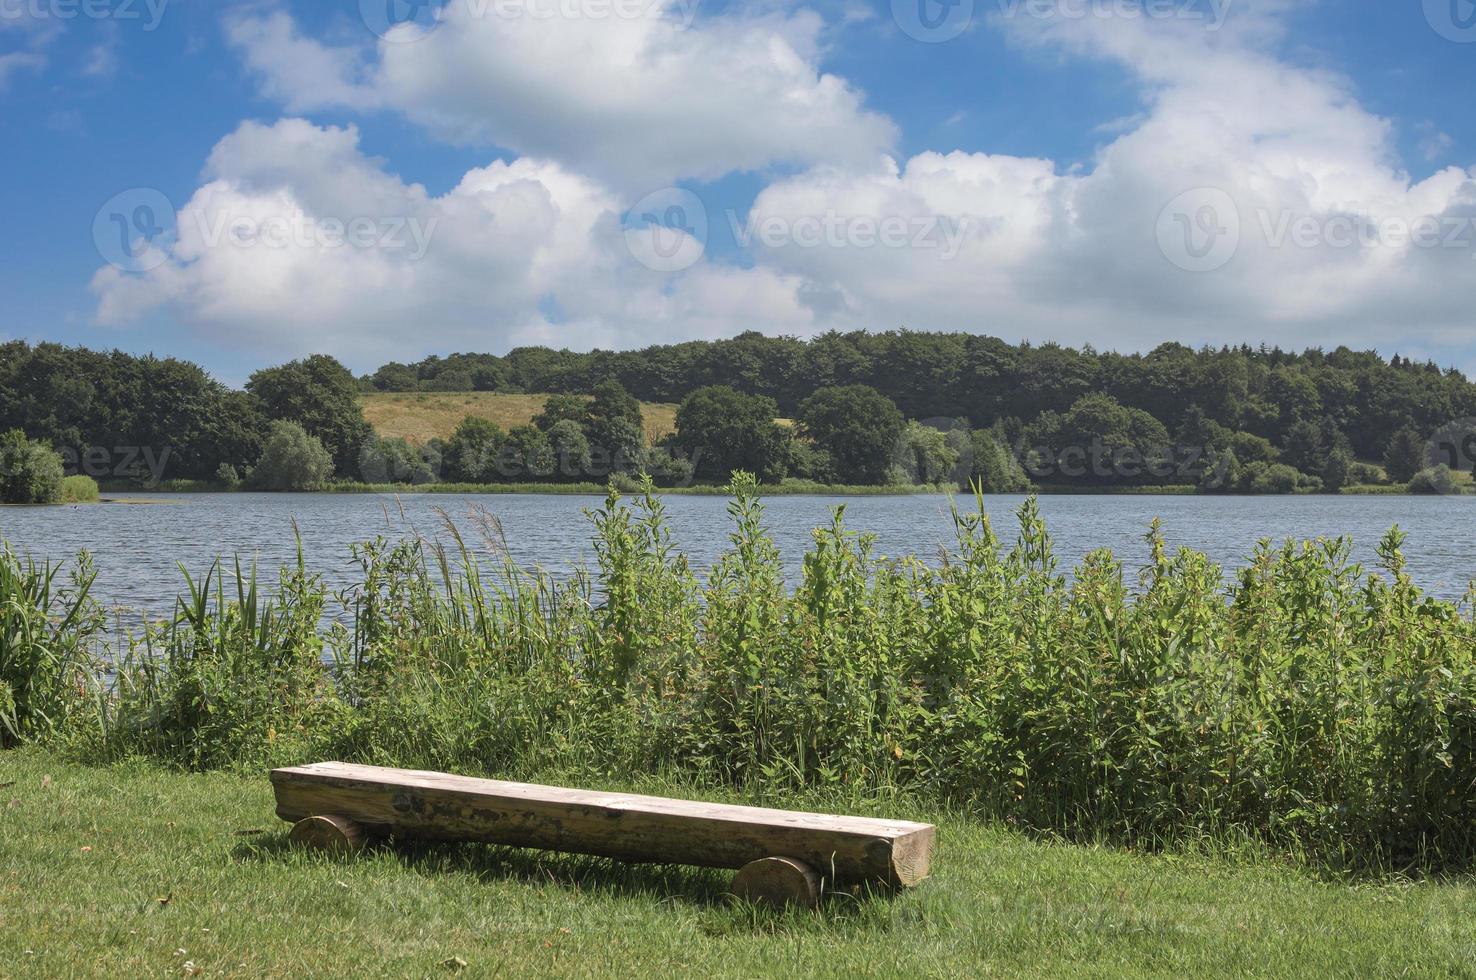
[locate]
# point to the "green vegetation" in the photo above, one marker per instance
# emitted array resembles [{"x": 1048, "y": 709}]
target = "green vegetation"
[
  {"x": 136, "y": 871},
  {"x": 50, "y": 631},
  {"x": 290, "y": 460},
  {"x": 1238, "y": 420},
  {"x": 78, "y": 490},
  {"x": 30, "y": 471},
  {"x": 1312, "y": 708}
]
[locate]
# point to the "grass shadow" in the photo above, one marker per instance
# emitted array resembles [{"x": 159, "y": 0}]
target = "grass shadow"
[{"x": 695, "y": 887}]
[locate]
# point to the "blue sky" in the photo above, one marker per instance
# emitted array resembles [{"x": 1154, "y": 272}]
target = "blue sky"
[{"x": 1037, "y": 168}]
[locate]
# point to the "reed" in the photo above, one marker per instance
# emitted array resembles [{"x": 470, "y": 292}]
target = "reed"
[{"x": 1307, "y": 704}]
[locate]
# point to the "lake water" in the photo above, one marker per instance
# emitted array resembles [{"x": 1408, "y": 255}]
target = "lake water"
[{"x": 140, "y": 544}]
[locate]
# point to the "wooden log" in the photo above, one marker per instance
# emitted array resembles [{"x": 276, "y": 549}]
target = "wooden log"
[
  {"x": 438, "y": 806},
  {"x": 778, "y": 881},
  {"x": 329, "y": 832}
]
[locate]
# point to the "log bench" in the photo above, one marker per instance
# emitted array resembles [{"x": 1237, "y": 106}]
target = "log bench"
[{"x": 783, "y": 856}]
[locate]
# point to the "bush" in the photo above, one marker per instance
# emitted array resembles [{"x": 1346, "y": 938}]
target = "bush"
[
  {"x": 1269, "y": 478},
  {"x": 385, "y": 461},
  {"x": 78, "y": 490},
  {"x": 994, "y": 468},
  {"x": 1435, "y": 479},
  {"x": 291, "y": 460},
  {"x": 227, "y": 476},
  {"x": 1306, "y": 704},
  {"x": 471, "y": 454},
  {"x": 30, "y": 472}
]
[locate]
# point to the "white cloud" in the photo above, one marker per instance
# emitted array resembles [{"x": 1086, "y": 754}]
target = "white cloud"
[
  {"x": 1076, "y": 256},
  {"x": 532, "y": 251},
  {"x": 16, "y": 61},
  {"x": 259, "y": 260},
  {"x": 635, "y": 100}
]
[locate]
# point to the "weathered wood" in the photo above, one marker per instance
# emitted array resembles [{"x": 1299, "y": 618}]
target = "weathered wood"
[
  {"x": 778, "y": 881},
  {"x": 438, "y": 806},
  {"x": 329, "y": 832}
]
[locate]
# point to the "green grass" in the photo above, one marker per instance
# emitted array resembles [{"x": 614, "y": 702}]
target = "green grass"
[{"x": 135, "y": 871}]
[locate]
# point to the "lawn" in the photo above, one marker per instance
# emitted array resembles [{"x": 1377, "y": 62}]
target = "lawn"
[
  {"x": 135, "y": 871},
  {"x": 421, "y": 416}
]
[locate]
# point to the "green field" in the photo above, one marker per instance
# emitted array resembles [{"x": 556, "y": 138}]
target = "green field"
[{"x": 135, "y": 871}]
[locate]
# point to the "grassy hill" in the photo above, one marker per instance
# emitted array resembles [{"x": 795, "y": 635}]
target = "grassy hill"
[{"x": 421, "y": 416}]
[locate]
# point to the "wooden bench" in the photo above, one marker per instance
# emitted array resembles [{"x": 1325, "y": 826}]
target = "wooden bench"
[{"x": 784, "y": 856}]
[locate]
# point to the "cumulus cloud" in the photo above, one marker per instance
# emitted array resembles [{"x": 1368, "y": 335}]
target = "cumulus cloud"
[
  {"x": 297, "y": 241},
  {"x": 638, "y": 94},
  {"x": 1251, "y": 198},
  {"x": 1310, "y": 230}
]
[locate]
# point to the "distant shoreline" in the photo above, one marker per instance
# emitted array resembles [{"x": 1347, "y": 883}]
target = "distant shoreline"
[{"x": 790, "y": 489}]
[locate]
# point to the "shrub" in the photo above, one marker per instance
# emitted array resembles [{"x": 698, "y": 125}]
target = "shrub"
[
  {"x": 291, "y": 460},
  {"x": 471, "y": 454},
  {"x": 1405, "y": 455},
  {"x": 228, "y": 476},
  {"x": 1304, "y": 703},
  {"x": 78, "y": 490},
  {"x": 30, "y": 472},
  {"x": 396, "y": 461},
  {"x": 1434, "y": 479},
  {"x": 1269, "y": 478}
]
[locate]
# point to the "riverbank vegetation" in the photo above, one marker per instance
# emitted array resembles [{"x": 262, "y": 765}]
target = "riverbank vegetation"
[
  {"x": 887, "y": 409},
  {"x": 1311, "y": 707}
]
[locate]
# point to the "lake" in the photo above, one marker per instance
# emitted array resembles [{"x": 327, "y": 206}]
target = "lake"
[{"x": 140, "y": 543}]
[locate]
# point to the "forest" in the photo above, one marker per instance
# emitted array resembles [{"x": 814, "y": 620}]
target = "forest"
[{"x": 856, "y": 408}]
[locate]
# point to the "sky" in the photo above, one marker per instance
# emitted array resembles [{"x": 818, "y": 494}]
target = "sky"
[{"x": 241, "y": 183}]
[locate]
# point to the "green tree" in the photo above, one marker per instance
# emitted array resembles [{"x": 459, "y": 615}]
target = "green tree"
[
  {"x": 571, "y": 453},
  {"x": 1098, "y": 440},
  {"x": 994, "y": 469},
  {"x": 722, "y": 430},
  {"x": 1305, "y": 448},
  {"x": 396, "y": 377},
  {"x": 858, "y": 426},
  {"x": 1337, "y": 471},
  {"x": 471, "y": 453},
  {"x": 923, "y": 455},
  {"x": 396, "y": 461},
  {"x": 291, "y": 460},
  {"x": 1405, "y": 456},
  {"x": 321, "y": 395},
  {"x": 30, "y": 471},
  {"x": 527, "y": 455},
  {"x": 616, "y": 426},
  {"x": 562, "y": 408}
]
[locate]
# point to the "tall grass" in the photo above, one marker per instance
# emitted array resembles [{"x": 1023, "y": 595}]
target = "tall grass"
[
  {"x": 1308, "y": 703},
  {"x": 48, "y": 625}
]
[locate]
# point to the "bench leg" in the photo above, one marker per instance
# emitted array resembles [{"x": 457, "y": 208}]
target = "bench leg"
[
  {"x": 778, "y": 881},
  {"x": 329, "y": 833}
]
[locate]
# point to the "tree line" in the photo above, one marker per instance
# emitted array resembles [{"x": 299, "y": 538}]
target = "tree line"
[{"x": 855, "y": 408}]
